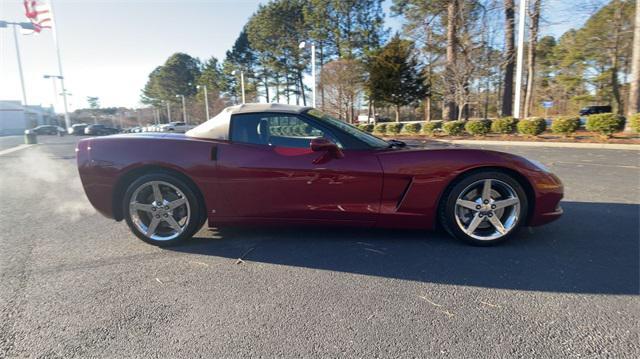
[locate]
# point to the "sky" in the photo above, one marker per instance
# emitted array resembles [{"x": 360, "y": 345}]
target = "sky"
[{"x": 109, "y": 47}]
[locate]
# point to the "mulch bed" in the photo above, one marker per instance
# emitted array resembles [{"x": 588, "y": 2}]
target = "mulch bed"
[{"x": 579, "y": 137}]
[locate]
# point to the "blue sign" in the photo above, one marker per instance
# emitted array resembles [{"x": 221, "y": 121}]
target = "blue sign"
[{"x": 547, "y": 104}]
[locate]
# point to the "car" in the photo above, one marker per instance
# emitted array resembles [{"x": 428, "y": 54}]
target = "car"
[
  {"x": 175, "y": 127},
  {"x": 593, "y": 110},
  {"x": 77, "y": 129},
  {"x": 100, "y": 130},
  {"x": 48, "y": 130},
  {"x": 366, "y": 119},
  {"x": 273, "y": 164}
]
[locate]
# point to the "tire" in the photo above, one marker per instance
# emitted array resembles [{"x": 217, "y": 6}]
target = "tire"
[
  {"x": 142, "y": 209},
  {"x": 471, "y": 213}
]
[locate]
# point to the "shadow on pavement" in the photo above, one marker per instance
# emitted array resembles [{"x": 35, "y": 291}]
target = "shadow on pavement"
[{"x": 593, "y": 248}]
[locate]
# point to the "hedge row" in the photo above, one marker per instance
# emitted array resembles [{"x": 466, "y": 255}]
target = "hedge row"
[
  {"x": 605, "y": 124},
  {"x": 635, "y": 122}
]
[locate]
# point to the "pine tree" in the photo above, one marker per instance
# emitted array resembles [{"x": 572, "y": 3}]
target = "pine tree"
[{"x": 395, "y": 77}]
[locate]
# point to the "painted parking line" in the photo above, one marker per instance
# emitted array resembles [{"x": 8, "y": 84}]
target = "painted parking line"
[
  {"x": 582, "y": 164},
  {"x": 14, "y": 149}
]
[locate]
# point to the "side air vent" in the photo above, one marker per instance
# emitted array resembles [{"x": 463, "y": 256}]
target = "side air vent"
[{"x": 214, "y": 153}]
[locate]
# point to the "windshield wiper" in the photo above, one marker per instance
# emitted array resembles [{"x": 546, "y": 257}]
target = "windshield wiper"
[{"x": 396, "y": 143}]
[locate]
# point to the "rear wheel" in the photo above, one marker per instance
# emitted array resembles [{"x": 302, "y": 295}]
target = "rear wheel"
[
  {"x": 162, "y": 209},
  {"x": 484, "y": 208}
]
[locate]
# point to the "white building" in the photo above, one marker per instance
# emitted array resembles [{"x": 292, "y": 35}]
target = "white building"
[{"x": 15, "y": 118}]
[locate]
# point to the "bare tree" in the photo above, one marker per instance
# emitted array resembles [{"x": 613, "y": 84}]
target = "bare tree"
[
  {"x": 342, "y": 83},
  {"x": 534, "y": 14},
  {"x": 509, "y": 58}
]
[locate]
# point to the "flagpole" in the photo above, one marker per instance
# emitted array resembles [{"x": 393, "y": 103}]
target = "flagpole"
[
  {"x": 54, "y": 27},
  {"x": 24, "y": 91}
]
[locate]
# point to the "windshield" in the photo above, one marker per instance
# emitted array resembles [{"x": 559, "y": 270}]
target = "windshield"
[{"x": 369, "y": 139}]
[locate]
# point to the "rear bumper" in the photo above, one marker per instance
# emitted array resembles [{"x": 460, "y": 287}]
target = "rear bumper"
[{"x": 97, "y": 181}]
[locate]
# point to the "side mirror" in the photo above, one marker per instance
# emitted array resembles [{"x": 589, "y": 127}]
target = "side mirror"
[{"x": 322, "y": 144}]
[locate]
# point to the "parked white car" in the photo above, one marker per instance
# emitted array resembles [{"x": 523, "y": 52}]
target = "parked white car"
[{"x": 180, "y": 127}]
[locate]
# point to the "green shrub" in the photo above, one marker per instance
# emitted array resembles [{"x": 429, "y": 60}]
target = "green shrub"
[
  {"x": 605, "y": 124},
  {"x": 367, "y": 127},
  {"x": 361, "y": 126},
  {"x": 453, "y": 128},
  {"x": 565, "y": 125},
  {"x": 394, "y": 128},
  {"x": 380, "y": 128},
  {"x": 635, "y": 122},
  {"x": 430, "y": 128},
  {"x": 532, "y": 126},
  {"x": 504, "y": 125},
  {"x": 478, "y": 127},
  {"x": 412, "y": 128}
]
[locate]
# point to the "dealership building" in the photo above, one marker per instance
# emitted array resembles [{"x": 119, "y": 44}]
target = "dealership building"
[{"x": 15, "y": 118}]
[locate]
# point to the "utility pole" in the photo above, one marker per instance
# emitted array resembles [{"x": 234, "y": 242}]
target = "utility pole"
[{"x": 520, "y": 59}]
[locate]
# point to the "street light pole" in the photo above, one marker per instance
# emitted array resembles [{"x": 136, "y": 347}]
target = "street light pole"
[
  {"x": 26, "y": 26},
  {"x": 206, "y": 100},
  {"x": 520, "y": 59},
  {"x": 242, "y": 84},
  {"x": 168, "y": 111},
  {"x": 184, "y": 109},
  {"x": 234, "y": 72},
  {"x": 55, "y": 88},
  {"x": 303, "y": 45}
]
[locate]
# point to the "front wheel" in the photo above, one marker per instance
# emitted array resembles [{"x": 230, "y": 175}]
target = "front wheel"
[
  {"x": 161, "y": 209},
  {"x": 484, "y": 208}
]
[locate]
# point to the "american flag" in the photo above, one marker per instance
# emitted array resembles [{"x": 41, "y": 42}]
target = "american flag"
[{"x": 39, "y": 13}]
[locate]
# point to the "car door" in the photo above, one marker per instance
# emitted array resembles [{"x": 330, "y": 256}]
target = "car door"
[{"x": 268, "y": 170}]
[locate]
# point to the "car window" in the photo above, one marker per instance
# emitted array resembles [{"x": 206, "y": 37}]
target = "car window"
[
  {"x": 275, "y": 130},
  {"x": 365, "y": 137}
]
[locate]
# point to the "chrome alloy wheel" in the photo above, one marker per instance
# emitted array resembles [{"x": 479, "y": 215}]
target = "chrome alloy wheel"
[
  {"x": 487, "y": 209},
  {"x": 159, "y": 210}
]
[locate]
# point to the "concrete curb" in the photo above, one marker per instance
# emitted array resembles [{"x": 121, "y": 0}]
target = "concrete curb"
[
  {"x": 14, "y": 149},
  {"x": 606, "y": 146}
]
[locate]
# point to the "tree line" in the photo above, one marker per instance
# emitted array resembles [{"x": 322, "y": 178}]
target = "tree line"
[{"x": 452, "y": 60}]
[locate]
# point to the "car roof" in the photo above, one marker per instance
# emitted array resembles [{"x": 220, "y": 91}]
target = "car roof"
[
  {"x": 217, "y": 128},
  {"x": 266, "y": 107}
]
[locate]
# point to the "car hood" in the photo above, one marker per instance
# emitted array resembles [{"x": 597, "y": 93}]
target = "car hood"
[
  {"x": 419, "y": 160},
  {"x": 150, "y": 135}
]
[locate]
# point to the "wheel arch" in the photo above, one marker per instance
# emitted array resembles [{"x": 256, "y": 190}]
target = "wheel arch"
[
  {"x": 128, "y": 177},
  {"x": 522, "y": 180}
]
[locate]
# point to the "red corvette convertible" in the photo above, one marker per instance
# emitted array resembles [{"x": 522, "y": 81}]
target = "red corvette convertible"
[{"x": 265, "y": 164}]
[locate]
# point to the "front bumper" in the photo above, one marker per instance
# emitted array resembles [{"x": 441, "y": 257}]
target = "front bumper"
[{"x": 549, "y": 192}]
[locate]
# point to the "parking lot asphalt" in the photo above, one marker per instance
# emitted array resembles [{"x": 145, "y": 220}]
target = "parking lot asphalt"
[
  {"x": 75, "y": 284},
  {"x": 7, "y": 142}
]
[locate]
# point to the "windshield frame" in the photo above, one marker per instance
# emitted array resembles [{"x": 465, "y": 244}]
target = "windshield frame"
[{"x": 347, "y": 129}]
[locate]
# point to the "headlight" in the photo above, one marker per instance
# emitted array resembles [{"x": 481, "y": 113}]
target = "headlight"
[{"x": 539, "y": 165}]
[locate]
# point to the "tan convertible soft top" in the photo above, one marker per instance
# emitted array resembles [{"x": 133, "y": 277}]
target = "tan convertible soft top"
[{"x": 217, "y": 128}]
